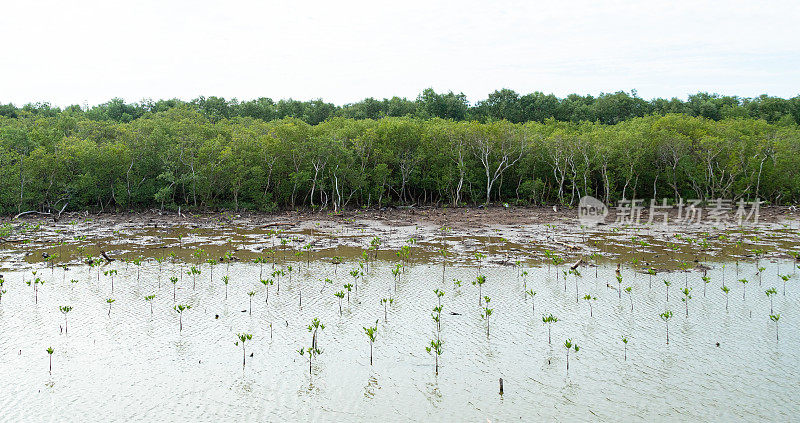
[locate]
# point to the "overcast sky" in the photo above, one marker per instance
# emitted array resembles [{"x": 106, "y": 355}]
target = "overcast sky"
[{"x": 86, "y": 52}]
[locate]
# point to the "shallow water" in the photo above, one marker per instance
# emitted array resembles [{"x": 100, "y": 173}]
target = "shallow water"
[{"x": 132, "y": 365}]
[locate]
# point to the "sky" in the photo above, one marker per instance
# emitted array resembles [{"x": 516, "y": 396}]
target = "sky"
[{"x": 87, "y": 52}]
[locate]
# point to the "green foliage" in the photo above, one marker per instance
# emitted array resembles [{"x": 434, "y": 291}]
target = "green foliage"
[
  {"x": 180, "y": 308},
  {"x": 213, "y": 155}
]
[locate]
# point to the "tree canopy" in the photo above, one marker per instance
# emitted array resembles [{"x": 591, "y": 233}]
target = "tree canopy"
[
  {"x": 504, "y": 104},
  {"x": 202, "y": 156}
]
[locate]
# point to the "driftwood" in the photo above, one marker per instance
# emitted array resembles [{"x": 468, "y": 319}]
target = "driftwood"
[
  {"x": 55, "y": 218},
  {"x": 277, "y": 224},
  {"x": 577, "y": 263},
  {"x": 32, "y": 212},
  {"x": 105, "y": 256}
]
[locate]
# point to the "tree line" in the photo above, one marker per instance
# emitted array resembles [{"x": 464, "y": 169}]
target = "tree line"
[
  {"x": 180, "y": 157},
  {"x": 504, "y": 104}
]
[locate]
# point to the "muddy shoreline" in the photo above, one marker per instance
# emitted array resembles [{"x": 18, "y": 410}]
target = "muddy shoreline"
[
  {"x": 462, "y": 217},
  {"x": 503, "y": 235}
]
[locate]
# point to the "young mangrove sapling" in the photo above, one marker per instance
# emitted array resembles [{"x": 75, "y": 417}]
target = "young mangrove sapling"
[{"x": 372, "y": 333}]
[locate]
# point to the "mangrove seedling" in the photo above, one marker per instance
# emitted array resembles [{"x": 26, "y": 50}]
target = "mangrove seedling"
[
  {"x": 160, "y": 261},
  {"x": 64, "y": 310},
  {"x": 325, "y": 283},
  {"x": 770, "y": 292},
  {"x": 396, "y": 274},
  {"x": 111, "y": 273},
  {"x": 110, "y": 301},
  {"x": 629, "y": 290},
  {"x": 355, "y": 273},
  {"x": 348, "y": 287},
  {"x": 744, "y": 287},
  {"x": 411, "y": 241},
  {"x": 577, "y": 275},
  {"x": 228, "y": 260},
  {"x": 372, "y": 334},
  {"x": 651, "y": 272},
  {"x": 340, "y": 296},
  {"x": 667, "y": 284},
  {"x": 665, "y": 316},
  {"x": 726, "y": 290},
  {"x": 260, "y": 262},
  {"x": 685, "y": 269},
  {"x": 366, "y": 256},
  {"x": 193, "y": 272},
  {"x": 619, "y": 287},
  {"x": 174, "y": 280},
  {"x": 138, "y": 262},
  {"x": 307, "y": 247},
  {"x": 266, "y": 283},
  {"x": 311, "y": 352},
  {"x": 50, "y": 351},
  {"x": 706, "y": 281},
  {"x": 443, "y": 252},
  {"x": 596, "y": 258},
  {"x": 436, "y": 349},
  {"x": 437, "y": 318},
  {"x": 570, "y": 346},
  {"x": 775, "y": 318},
  {"x": 211, "y": 263},
  {"x": 149, "y": 299},
  {"x": 375, "y": 245},
  {"x": 686, "y": 297},
  {"x": 336, "y": 260},
  {"x": 225, "y": 280},
  {"x": 276, "y": 274},
  {"x": 557, "y": 261},
  {"x": 589, "y": 300},
  {"x": 549, "y": 320},
  {"x": 251, "y": 294},
  {"x": 439, "y": 294},
  {"x": 36, "y": 282},
  {"x": 479, "y": 257},
  {"x": 386, "y": 302},
  {"x": 480, "y": 280},
  {"x": 284, "y": 243},
  {"x": 180, "y": 308},
  {"x": 315, "y": 326},
  {"x": 531, "y": 293},
  {"x": 243, "y": 337},
  {"x": 625, "y": 348},
  {"x": 486, "y": 313},
  {"x": 785, "y": 279}
]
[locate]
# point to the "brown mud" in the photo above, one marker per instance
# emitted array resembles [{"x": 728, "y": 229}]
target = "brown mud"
[{"x": 485, "y": 236}]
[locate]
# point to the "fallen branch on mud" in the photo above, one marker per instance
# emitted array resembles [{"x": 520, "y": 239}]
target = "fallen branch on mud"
[
  {"x": 56, "y": 217},
  {"x": 32, "y": 212},
  {"x": 108, "y": 259}
]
